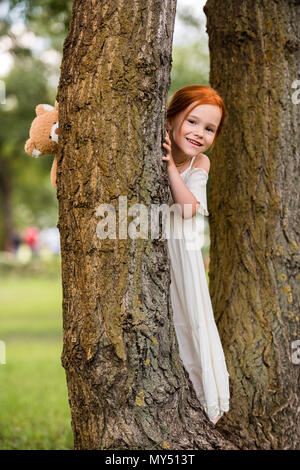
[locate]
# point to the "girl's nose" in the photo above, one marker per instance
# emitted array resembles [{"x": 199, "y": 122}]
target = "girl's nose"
[{"x": 199, "y": 131}]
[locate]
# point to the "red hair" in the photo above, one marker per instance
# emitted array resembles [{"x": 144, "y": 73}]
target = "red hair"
[{"x": 198, "y": 94}]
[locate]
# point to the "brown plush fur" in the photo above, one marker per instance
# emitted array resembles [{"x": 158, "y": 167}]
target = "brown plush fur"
[{"x": 44, "y": 135}]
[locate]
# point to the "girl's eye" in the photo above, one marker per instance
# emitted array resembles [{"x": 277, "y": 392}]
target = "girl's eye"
[
  {"x": 210, "y": 129},
  {"x": 191, "y": 121}
]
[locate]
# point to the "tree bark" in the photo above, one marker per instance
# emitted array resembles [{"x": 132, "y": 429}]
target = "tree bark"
[
  {"x": 126, "y": 383},
  {"x": 254, "y": 216}
]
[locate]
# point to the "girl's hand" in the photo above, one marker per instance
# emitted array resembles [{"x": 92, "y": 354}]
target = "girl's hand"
[{"x": 168, "y": 146}]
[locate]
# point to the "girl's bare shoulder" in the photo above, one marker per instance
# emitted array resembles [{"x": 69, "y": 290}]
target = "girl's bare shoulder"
[{"x": 202, "y": 161}]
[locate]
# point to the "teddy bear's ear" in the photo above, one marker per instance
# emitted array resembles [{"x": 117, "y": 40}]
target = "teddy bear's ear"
[{"x": 43, "y": 108}]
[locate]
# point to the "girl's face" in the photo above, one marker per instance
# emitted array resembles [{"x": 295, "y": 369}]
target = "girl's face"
[{"x": 197, "y": 132}]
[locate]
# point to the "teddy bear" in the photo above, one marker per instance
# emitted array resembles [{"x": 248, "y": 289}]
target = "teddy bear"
[{"x": 44, "y": 135}]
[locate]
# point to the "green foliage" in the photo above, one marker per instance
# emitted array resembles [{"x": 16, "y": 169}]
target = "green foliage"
[
  {"x": 188, "y": 18},
  {"x": 49, "y": 18},
  {"x": 26, "y": 86},
  {"x": 190, "y": 66}
]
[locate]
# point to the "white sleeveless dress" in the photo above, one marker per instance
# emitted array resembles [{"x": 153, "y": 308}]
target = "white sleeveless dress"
[{"x": 198, "y": 338}]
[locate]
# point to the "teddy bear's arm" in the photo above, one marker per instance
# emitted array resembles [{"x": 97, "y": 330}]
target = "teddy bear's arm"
[
  {"x": 53, "y": 172},
  {"x": 29, "y": 146}
]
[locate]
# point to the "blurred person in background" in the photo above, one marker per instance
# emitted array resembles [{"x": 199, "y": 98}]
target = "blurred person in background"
[{"x": 30, "y": 237}]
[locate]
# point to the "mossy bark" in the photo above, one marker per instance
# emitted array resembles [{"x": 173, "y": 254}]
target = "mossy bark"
[
  {"x": 126, "y": 383},
  {"x": 254, "y": 215}
]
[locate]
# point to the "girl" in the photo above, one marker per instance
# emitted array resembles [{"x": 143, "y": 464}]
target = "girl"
[{"x": 195, "y": 117}]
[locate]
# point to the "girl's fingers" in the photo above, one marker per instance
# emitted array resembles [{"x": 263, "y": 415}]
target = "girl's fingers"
[
  {"x": 166, "y": 144},
  {"x": 168, "y": 150},
  {"x": 168, "y": 147}
]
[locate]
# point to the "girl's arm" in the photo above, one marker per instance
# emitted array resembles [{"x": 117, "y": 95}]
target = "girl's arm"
[{"x": 180, "y": 193}]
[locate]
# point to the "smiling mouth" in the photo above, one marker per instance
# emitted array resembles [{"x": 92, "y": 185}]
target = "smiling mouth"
[{"x": 194, "y": 142}]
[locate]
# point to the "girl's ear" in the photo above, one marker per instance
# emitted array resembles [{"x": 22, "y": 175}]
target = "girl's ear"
[{"x": 169, "y": 125}]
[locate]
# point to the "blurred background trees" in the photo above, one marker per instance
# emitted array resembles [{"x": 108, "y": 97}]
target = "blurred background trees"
[{"x": 32, "y": 37}]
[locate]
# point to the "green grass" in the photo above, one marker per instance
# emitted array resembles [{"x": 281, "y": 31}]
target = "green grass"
[{"x": 34, "y": 410}]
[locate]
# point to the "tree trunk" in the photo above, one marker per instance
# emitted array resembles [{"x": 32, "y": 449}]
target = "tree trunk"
[
  {"x": 127, "y": 385},
  {"x": 254, "y": 216}
]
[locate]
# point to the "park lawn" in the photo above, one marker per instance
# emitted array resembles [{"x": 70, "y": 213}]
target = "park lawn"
[{"x": 34, "y": 410}]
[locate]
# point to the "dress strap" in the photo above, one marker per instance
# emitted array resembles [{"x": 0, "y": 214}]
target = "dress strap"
[{"x": 192, "y": 161}]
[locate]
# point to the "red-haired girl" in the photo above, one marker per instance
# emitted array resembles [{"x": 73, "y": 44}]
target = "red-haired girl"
[{"x": 195, "y": 117}]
